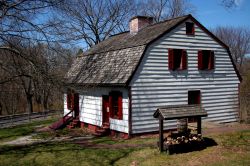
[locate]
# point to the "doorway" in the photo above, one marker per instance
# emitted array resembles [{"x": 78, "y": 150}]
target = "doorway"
[
  {"x": 194, "y": 97},
  {"x": 76, "y": 105}
]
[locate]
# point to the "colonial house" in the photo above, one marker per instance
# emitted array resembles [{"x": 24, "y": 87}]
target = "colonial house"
[{"x": 119, "y": 83}]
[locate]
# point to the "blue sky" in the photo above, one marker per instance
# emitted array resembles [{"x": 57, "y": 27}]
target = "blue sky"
[{"x": 211, "y": 14}]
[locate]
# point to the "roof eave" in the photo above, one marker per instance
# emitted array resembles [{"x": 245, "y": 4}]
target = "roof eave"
[{"x": 88, "y": 85}]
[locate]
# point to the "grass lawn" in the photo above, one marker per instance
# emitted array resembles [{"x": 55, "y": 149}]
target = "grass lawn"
[
  {"x": 12, "y": 133},
  {"x": 232, "y": 149}
]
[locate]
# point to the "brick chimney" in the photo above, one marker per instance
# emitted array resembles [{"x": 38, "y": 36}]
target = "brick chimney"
[{"x": 138, "y": 22}]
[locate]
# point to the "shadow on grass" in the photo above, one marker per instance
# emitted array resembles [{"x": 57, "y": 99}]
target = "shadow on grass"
[
  {"x": 106, "y": 140},
  {"x": 38, "y": 147},
  {"x": 191, "y": 146},
  {"x": 53, "y": 152}
]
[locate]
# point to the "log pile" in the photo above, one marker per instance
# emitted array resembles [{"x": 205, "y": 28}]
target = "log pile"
[
  {"x": 183, "y": 139},
  {"x": 184, "y": 143}
]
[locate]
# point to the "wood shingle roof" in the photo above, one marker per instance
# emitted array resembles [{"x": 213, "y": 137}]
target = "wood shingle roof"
[
  {"x": 180, "y": 111},
  {"x": 108, "y": 68},
  {"x": 127, "y": 40},
  {"x": 115, "y": 60}
]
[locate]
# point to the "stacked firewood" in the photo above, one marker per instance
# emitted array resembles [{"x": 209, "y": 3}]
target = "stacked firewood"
[{"x": 183, "y": 139}]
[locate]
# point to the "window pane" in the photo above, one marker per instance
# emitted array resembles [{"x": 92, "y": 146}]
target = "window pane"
[
  {"x": 177, "y": 58},
  {"x": 189, "y": 28},
  {"x": 116, "y": 105}
]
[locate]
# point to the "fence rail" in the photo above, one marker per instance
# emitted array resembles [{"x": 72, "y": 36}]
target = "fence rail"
[{"x": 8, "y": 120}]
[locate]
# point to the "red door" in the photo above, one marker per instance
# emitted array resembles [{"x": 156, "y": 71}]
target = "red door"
[
  {"x": 105, "y": 109},
  {"x": 76, "y": 105}
]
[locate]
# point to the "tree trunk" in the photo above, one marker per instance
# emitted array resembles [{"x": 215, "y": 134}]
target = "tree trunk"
[
  {"x": 1, "y": 108},
  {"x": 45, "y": 101},
  {"x": 30, "y": 104}
]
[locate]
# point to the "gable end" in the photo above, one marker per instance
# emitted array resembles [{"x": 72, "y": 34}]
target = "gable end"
[
  {"x": 220, "y": 42},
  {"x": 200, "y": 26}
]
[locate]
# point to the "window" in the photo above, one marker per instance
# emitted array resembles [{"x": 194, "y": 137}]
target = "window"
[
  {"x": 205, "y": 60},
  {"x": 70, "y": 99},
  {"x": 115, "y": 99},
  {"x": 177, "y": 59},
  {"x": 189, "y": 28}
]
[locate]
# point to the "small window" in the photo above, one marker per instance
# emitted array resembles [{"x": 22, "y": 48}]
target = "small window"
[
  {"x": 177, "y": 59},
  {"x": 205, "y": 60},
  {"x": 189, "y": 28},
  {"x": 115, "y": 99}
]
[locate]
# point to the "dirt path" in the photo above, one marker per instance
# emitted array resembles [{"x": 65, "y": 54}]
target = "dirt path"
[
  {"x": 210, "y": 128},
  {"x": 30, "y": 140}
]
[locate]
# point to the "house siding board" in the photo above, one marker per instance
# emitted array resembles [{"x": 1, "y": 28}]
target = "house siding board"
[
  {"x": 90, "y": 107},
  {"x": 153, "y": 85}
]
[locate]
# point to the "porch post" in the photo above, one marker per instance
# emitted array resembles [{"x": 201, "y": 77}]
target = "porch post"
[
  {"x": 199, "y": 125},
  {"x": 160, "y": 134}
]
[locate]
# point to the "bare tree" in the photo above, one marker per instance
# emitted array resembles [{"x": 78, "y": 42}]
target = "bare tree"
[
  {"x": 164, "y": 9},
  {"x": 28, "y": 68},
  {"x": 22, "y": 20},
  {"x": 179, "y": 7},
  {"x": 228, "y": 4},
  {"x": 40, "y": 80},
  {"x": 238, "y": 40},
  {"x": 91, "y": 21}
]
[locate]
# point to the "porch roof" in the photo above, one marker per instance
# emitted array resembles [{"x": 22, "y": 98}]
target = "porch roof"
[{"x": 180, "y": 111}]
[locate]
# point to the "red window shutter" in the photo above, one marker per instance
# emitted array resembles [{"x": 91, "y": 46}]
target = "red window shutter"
[
  {"x": 211, "y": 61},
  {"x": 120, "y": 107},
  {"x": 200, "y": 64},
  {"x": 111, "y": 106},
  {"x": 170, "y": 59},
  {"x": 184, "y": 60},
  {"x": 193, "y": 29},
  {"x": 76, "y": 102}
]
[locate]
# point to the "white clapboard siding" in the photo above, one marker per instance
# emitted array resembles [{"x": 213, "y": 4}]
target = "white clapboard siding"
[
  {"x": 153, "y": 85},
  {"x": 90, "y": 103}
]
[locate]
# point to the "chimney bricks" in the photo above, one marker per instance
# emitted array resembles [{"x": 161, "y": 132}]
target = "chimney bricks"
[{"x": 138, "y": 22}]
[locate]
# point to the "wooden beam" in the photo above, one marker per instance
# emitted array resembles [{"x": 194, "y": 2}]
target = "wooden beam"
[
  {"x": 199, "y": 125},
  {"x": 160, "y": 134}
]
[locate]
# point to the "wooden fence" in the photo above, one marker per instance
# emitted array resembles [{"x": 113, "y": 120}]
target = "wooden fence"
[{"x": 10, "y": 120}]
